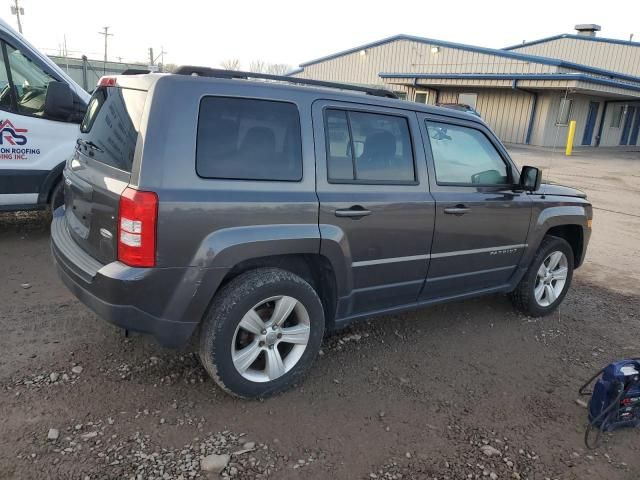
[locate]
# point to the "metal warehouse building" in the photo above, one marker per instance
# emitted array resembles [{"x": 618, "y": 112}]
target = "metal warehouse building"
[{"x": 528, "y": 93}]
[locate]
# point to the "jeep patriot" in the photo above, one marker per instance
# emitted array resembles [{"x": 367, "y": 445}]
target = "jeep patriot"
[{"x": 254, "y": 213}]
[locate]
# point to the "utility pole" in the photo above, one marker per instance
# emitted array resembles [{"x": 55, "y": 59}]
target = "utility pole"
[
  {"x": 17, "y": 10},
  {"x": 106, "y": 36},
  {"x": 160, "y": 56},
  {"x": 151, "y": 59}
]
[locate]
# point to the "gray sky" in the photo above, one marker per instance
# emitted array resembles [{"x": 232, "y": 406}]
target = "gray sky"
[{"x": 208, "y": 32}]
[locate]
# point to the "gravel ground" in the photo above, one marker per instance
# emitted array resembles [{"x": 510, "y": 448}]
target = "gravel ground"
[{"x": 466, "y": 390}]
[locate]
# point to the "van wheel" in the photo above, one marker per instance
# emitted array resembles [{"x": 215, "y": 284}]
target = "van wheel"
[
  {"x": 262, "y": 333},
  {"x": 545, "y": 284},
  {"x": 57, "y": 197}
]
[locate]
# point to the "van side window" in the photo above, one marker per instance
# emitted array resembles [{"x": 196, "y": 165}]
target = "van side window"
[
  {"x": 465, "y": 156},
  {"x": 247, "y": 139},
  {"x": 368, "y": 147},
  {"x": 30, "y": 83}
]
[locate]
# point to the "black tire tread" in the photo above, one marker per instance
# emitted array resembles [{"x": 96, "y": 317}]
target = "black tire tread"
[
  {"x": 224, "y": 301},
  {"x": 521, "y": 297}
]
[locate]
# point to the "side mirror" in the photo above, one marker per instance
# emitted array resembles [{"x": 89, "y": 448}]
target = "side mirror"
[
  {"x": 530, "y": 179},
  {"x": 58, "y": 102}
]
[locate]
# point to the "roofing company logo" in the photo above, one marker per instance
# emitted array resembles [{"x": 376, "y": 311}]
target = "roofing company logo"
[{"x": 11, "y": 134}]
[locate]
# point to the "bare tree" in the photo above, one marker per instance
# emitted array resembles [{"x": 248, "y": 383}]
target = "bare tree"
[
  {"x": 278, "y": 68},
  {"x": 258, "y": 66},
  {"x": 169, "y": 67},
  {"x": 231, "y": 64}
]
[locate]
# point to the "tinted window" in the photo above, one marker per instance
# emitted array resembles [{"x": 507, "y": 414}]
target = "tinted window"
[
  {"x": 368, "y": 147},
  {"x": 109, "y": 129},
  {"x": 249, "y": 140},
  {"x": 465, "y": 156}
]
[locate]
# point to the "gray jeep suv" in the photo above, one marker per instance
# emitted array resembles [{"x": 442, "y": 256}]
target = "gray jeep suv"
[{"x": 259, "y": 214}]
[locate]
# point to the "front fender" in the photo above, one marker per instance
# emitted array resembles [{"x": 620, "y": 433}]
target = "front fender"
[{"x": 547, "y": 217}]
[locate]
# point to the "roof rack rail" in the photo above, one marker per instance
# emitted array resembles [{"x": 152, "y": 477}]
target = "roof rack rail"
[
  {"x": 220, "y": 73},
  {"x": 135, "y": 71}
]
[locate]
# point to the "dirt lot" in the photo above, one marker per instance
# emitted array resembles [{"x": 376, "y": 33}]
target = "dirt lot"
[{"x": 409, "y": 396}]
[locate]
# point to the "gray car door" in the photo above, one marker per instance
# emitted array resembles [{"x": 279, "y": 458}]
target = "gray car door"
[
  {"x": 482, "y": 221},
  {"x": 374, "y": 202}
]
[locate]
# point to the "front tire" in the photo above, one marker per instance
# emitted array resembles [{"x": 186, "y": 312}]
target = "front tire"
[
  {"x": 261, "y": 333},
  {"x": 57, "y": 197},
  {"x": 547, "y": 280}
]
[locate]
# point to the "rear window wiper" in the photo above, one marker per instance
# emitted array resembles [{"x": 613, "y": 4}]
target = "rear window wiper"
[{"x": 90, "y": 144}]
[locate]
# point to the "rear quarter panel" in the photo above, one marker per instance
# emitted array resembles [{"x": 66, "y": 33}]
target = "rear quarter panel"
[{"x": 210, "y": 223}]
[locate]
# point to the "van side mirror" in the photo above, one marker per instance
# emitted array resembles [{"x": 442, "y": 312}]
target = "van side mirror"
[
  {"x": 58, "y": 102},
  {"x": 530, "y": 179}
]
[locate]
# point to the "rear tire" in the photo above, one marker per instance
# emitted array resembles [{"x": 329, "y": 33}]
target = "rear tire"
[
  {"x": 547, "y": 280},
  {"x": 261, "y": 333}
]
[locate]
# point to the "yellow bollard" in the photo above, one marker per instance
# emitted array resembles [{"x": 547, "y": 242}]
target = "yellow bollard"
[{"x": 570, "y": 135}]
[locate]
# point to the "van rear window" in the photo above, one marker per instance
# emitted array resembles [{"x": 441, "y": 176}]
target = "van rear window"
[
  {"x": 248, "y": 139},
  {"x": 111, "y": 125}
]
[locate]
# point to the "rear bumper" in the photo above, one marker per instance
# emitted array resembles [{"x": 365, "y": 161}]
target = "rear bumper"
[{"x": 137, "y": 299}]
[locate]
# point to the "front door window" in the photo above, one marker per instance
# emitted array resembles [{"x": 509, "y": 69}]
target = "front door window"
[{"x": 30, "y": 83}]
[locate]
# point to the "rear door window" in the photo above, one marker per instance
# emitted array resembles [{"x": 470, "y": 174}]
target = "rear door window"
[
  {"x": 109, "y": 129},
  {"x": 248, "y": 139},
  {"x": 368, "y": 147}
]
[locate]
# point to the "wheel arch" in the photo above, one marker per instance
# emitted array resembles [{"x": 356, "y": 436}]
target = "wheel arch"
[
  {"x": 315, "y": 269},
  {"x": 51, "y": 180},
  {"x": 574, "y": 236},
  {"x": 569, "y": 222}
]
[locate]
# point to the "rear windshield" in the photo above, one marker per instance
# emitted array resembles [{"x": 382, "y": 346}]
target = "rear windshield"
[{"x": 109, "y": 130}]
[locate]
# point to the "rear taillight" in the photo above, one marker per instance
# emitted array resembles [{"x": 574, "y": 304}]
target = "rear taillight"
[
  {"x": 137, "y": 218},
  {"x": 107, "y": 82}
]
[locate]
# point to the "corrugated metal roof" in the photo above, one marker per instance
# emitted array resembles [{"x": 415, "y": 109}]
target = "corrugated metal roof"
[
  {"x": 516, "y": 76},
  {"x": 484, "y": 50},
  {"x": 577, "y": 37}
]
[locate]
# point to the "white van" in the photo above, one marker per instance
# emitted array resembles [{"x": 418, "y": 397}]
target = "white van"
[{"x": 40, "y": 110}]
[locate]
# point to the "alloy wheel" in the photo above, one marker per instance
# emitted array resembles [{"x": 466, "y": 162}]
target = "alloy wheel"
[
  {"x": 551, "y": 278},
  {"x": 270, "y": 338}
]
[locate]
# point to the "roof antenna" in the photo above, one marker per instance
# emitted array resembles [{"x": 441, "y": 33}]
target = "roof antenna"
[{"x": 555, "y": 141}]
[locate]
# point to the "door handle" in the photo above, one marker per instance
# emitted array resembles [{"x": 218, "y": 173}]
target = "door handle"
[
  {"x": 457, "y": 210},
  {"x": 356, "y": 211}
]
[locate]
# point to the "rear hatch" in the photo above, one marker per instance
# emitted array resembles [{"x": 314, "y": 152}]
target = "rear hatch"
[{"x": 101, "y": 167}]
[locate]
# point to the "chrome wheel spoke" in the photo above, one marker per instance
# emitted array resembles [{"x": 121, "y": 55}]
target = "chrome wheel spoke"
[
  {"x": 245, "y": 357},
  {"x": 554, "y": 259},
  {"x": 284, "y": 307},
  {"x": 251, "y": 322},
  {"x": 274, "y": 364},
  {"x": 539, "y": 291},
  {"x": 298, "y": 334},
  {"x": 550, "y": 293},
  {"x": 559, "y": 273},
  {"x": 542, "y": 271}
]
